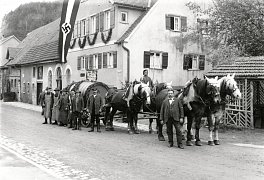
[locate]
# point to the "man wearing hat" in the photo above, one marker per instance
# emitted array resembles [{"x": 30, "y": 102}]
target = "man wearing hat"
[
  {"x": 71, "y": 115},
  {"x": 77, "y": 108},
  {"x": 94, "y": 105},
  {"x": 48, "y": 104},
  {"x": 55, "y": 109},
  {"x": 64, "y": 103}
]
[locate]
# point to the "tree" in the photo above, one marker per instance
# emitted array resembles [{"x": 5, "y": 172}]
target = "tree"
[
  {"x": 236, "y": 28},
  {"x": 30, "y": 16}
]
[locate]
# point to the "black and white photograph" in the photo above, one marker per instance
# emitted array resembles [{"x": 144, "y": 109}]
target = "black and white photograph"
[{"x": 132, "y": 90}]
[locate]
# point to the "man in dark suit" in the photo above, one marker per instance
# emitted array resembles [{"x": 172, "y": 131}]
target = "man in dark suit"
[
  {"x": 77, "y": 109},
  {"x": 94, "y": 105},
  {"x": 171, "y": 114}
]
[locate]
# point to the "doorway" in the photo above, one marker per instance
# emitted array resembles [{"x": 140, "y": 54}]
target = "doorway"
[{"x": 39, "y": 90}]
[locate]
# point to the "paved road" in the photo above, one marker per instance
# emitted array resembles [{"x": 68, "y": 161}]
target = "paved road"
[{"x": 66, "y": 154}]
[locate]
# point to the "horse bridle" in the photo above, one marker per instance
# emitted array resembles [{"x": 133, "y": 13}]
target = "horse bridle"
[{"x": 228, "y": 90}]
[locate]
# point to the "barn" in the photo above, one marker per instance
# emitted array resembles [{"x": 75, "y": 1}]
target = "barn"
[{"x": 248, "y": 112}]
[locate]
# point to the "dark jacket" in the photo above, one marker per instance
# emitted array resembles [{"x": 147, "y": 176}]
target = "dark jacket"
[
  {"x": 77, "y": 104},
  {"x": 177, "y": 110},
  {"x": 41, "y": 98},
  {"x": 97, "y": 104}
]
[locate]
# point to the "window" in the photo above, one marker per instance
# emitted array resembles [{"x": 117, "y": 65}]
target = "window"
[
  {"x": 110, "y": 60},
  {"x": 124, "y": 17},
  {"x": 24, "y": 87},
  {"x": 11, "y": 83},
  {"x": 107, "y": 20},
  {"x": 193, "y": 62},
  {"x": 75, "y": 31},
  {"x": 95, "y": 61},
  {"x": 68, "y": 76},
  {"x": 50, "y": 79},
  {"x": 83, "y": 27},
  {"x": 82, "y": 63},
  {"x": 95, "y": 24},
  {"x": 15, "y": 83},
  {"x": 40, "y": 72},
  {"x": 155, "y": 60},
  {"x": 176, "y": 23},
  {"x": 34, "y": 72}
]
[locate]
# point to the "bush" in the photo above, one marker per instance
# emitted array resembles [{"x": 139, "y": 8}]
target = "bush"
[{"x": 9, "y": 96}]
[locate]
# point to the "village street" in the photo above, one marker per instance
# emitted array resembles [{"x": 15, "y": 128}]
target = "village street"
[{"x": 59, "y": 152}]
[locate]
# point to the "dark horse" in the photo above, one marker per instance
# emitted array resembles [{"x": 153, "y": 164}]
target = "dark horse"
[
  {"x": 152, "y": 107},
  {"x": 199, "y": 94},
  {"x": 197, "y": 99},
  {"x": 135, "y": 95}
]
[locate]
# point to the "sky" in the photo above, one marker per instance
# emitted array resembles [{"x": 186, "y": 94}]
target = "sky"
[{"x": 10, "y": 5}]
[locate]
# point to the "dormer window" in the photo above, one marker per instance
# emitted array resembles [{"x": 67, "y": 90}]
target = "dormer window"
[
  {"x": 124, "y": 17},
  {"x": 176, "y": 23}
]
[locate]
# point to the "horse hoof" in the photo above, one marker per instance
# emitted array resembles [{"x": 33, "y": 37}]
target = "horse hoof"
[
  {"x": 210, "y": 143},
  {"x": 107, "y": 129},
  {"x": 189, "y": 143},
  {"x": 161, "y": 138},
  {"x": 216, "y": 142},
  {"x": 198, "y": 143},
  {"x": 137, "y": 132},
  {"x": 150, "y": 131},
  {"x": 112, "y": 129},
  {"x": 130, "y": 132}
]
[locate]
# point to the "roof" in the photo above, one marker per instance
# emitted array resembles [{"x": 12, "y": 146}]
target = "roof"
[
  {"x": 132, "y": 27},
  {"x": 46, "y": 52},
  {"x": 135, "y": 3},
  {"x": 242, "y": 67},
  {"x": 44, "y": 35},
  {"x": 2, "y": 41}
]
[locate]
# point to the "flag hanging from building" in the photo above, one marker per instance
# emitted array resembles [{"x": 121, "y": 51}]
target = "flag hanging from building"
[{"x": 68, "y": 17}]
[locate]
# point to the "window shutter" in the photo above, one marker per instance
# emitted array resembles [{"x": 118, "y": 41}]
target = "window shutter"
[
  {"x": 164, "y": 60},
  {"x": 79, "y": 62},
  {"x": 146, "y": 59},
  {"x": 91, "y": 62},
  {"x": 104, "y": 60},
  {"x": 86, "y": 62},
  {"x": 101, "y": 21},
  {"x": 183, "y": 24},
  {"x": 87, "y": 26},
  {"x": 79, "y": 28},
  {"x": 168, "y": 22},
  {"x": 97, "y": 22},
  {"x": 186, "y": 59},
  {"x": 115, "y": 59},
  {"x": 112, "y": 18},
  {"x": 99, "y": 61},
  {"x": 201, "y": 62}
]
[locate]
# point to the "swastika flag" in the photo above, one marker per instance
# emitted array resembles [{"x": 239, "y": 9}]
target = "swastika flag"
[{"x": 68, "y": 17}]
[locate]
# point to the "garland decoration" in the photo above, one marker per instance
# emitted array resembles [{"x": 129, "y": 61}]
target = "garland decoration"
[
  {"x": 108, "y": 36},
  {"x": 72, "y": 43},
  {"x": 82, "y": 43},
  {"x": 93, "y": 41}
]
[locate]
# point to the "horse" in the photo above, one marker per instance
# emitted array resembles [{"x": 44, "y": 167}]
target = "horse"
[
  {"x": 128, "y": 101},
  {"x": 152, "y": 107},
  {"x": 228, "y": 86},
  {"x": 197, "y": 99}
]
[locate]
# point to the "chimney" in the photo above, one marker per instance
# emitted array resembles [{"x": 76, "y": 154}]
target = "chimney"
[{"x": 149, "y": 3}]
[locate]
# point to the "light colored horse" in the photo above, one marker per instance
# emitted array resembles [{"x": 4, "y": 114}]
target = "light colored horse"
[{"x": 228, "y": 86}]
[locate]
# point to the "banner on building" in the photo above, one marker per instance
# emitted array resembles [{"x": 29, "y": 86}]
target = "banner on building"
[{"x": 68, "y": 17}]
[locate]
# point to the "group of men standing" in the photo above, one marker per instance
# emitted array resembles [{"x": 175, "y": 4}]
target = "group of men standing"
[{"x": 65, "y": 108}]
